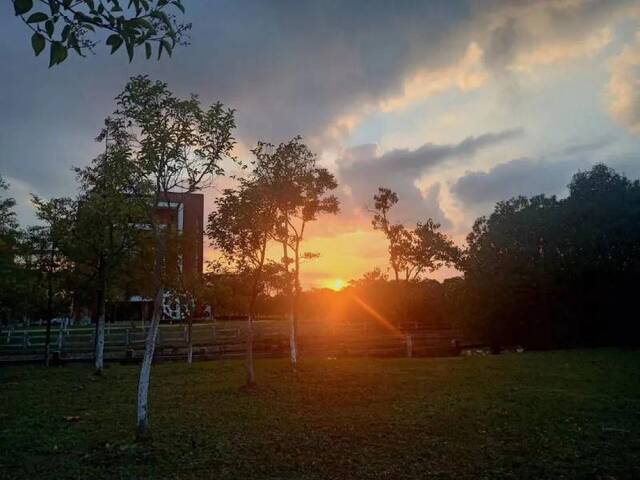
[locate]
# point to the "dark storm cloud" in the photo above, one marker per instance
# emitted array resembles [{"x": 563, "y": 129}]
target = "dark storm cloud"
[
  {"x": 288, "y": 67},
  {"x": 399, "y": 169},
  {"x": 413, "y": 162},
  {"x": 528, "y": 176},
  {"x": 522, "y": 176}
]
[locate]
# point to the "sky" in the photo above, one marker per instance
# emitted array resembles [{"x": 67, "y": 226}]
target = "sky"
[{"x": 455, "y": 105}]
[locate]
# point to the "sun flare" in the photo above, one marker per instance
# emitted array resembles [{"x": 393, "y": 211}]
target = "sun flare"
[{"x": 338, "y": 284}]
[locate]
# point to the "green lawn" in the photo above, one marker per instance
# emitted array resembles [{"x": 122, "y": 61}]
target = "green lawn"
[{"x": 536, "y": 415}]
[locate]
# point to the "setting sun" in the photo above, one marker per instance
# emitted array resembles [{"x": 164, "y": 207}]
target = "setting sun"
[{"x": 338, "y": 284}]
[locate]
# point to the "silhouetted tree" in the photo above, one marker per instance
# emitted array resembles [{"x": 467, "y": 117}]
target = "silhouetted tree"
[
  {"x": 300, "y": 190},
  {"x": 10, "y": 290},
  {"x": 179, "y": 146},
  {"x": 47, "y": 246},
  {"x": 544, "y": 272},
  {"x": 411, "y": 252},
  {"x": 111, "y": 208},
  {"x": 241, "y": 227}
]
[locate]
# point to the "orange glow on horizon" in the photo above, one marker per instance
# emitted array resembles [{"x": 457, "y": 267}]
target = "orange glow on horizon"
[
  {"x": 374, "y": 313},
  {"x": 337, "y": 284}
]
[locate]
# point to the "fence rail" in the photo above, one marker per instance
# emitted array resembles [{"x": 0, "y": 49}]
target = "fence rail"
[{"x": 215, "y": 340}]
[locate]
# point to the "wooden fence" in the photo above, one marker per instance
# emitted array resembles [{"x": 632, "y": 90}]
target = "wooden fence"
[{"x": 228, "y": 340}]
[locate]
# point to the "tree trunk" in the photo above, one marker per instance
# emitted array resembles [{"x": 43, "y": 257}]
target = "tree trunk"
[
  {"x": 293, "y": 346},
  {"x": 100, "y": 322},
  {"x": 47, "y": 340},
  {"x": 47, "y": 343},
  {"x": 295, "y": 307},
  {"x": 190, "y": 339},
  {"x": 143, "y": 431},
  {"x": 100, "y": 327},
  {"x": 293, "y": 341},
  {"x": 251, "y": 377}
]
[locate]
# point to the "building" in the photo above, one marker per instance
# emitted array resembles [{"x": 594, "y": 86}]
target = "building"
[{"x": 185, "y": 212}]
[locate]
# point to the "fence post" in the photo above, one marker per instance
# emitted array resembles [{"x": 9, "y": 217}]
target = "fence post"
[
  {"x": 409, "y": 343},
  {"x": 25, "y": 339}
]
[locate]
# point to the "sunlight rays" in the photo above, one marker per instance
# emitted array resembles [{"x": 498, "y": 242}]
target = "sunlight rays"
[{"x": 379, "y": 318}]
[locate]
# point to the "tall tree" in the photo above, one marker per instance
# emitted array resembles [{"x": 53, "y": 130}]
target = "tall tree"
[
  {"x": 300, "y": 190},
  {"x": 49, "y": 242},
  {"x": 9, "y": 246},
  {"x": 412, "y": 253},
  {"x": 241, "y": 227},
  {"x": 179, "y": 147},
  {"x": 111, "y": 207},
  {"x": 75, "y": 25}
]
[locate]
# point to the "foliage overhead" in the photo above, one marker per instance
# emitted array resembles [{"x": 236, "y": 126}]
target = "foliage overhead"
[{"x": 79, "y": 25}]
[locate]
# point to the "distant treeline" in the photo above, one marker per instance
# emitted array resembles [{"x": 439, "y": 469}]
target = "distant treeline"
[{"x": 540, "y": 272}]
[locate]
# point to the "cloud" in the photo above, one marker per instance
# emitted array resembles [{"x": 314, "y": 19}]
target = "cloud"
[
  {"x": 521, "y": 38},
  {"x": 466, "y": 75},
  {"x": 549, "y": 174},
  {"x": 314, "y": 68},
  {"x": 363, "y": 171},
  {"x": 522, "y": 176},
  {"x": 624, "y": 86},
  {"x": 524, "y": 35},
  {"x": 413, "y": 162}
]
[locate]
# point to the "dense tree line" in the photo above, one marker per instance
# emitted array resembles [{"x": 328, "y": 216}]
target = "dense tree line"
[
  {"x": 545, "y": 272},
  {"x": 540, "y": 272}
]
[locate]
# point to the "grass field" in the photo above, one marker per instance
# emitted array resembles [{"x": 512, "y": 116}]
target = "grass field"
[{"x": 569, "y": 414}]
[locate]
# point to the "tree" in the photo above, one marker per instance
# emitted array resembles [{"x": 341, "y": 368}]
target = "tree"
[
  {"x": 179, "y": 146},
  {"x": 47, "y": 246},
  {"x": 300, "y": 190},
  {"x": 111, "y": 207},
  {"x": 241, "y": 227},
  {"x": 74, "y": 25},
  {"x": 9, "y": 247},
  {"x": 412, "y": 252},
  {"x": 543, "y": 272}
]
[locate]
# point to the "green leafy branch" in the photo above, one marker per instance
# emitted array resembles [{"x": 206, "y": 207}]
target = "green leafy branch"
[{"x": 72, "y": 25}]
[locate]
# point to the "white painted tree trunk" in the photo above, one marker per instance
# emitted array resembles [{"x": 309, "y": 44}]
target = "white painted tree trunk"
[
  {"x": 143, "y": 431},
  {"x": 190, "y": 340},
  {"x": 99, "y": 355},
  {"x": 251, "y": 376},
  {"x": 293, "y": 346}
]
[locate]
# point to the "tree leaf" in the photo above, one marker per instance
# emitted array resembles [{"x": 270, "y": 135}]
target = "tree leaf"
[
  {"x": 178, "y": 4},
  {"x": 37, "y": 17},
  {"x": 38, "y": 43},
  {"x": 65, "y": 32},
  {"x": 58, "y": 54},
  {"x": 148, "y": 50},
  {"x": 167, "y": 46},
  {"x": 129, "y": 46},
  {"x": 115, "y": 41},
  {"x": 22, "y": 6},
  {"x": 48, "y": 26}
]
